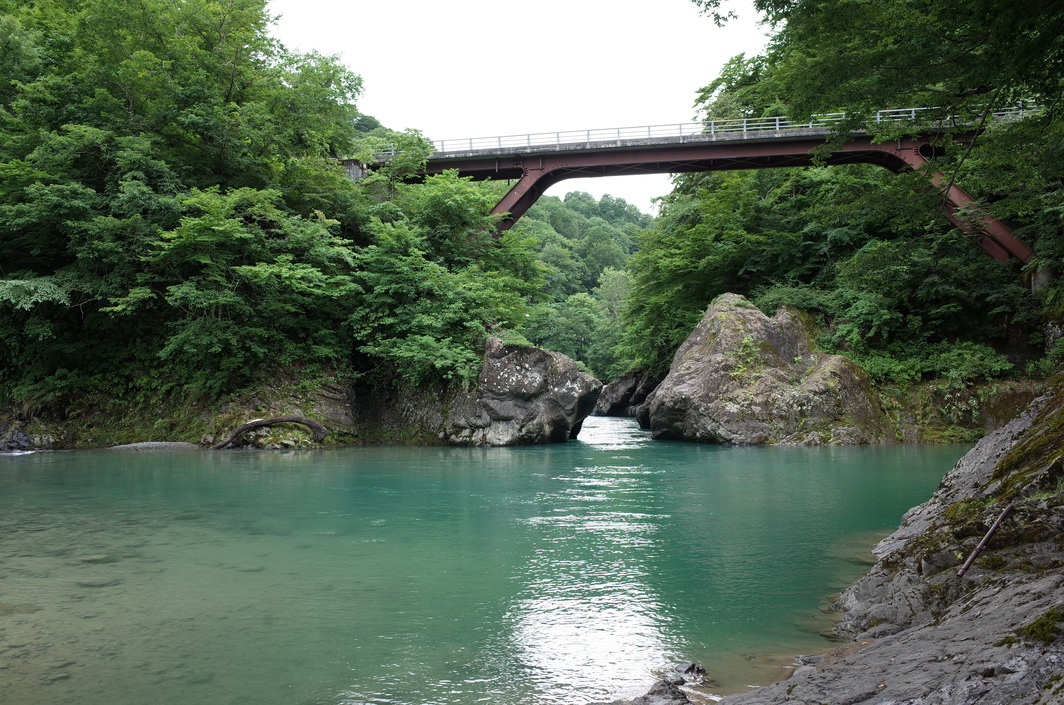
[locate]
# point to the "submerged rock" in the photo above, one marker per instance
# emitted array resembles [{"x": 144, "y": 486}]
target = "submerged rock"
[
  {"x": 993, "y": 636},
  {"x": 744, "y": 378}
]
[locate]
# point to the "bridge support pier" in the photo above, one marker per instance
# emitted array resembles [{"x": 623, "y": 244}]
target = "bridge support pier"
[
  {"x": 968, "y": 216},
  {"x": 533, "y": 183}
]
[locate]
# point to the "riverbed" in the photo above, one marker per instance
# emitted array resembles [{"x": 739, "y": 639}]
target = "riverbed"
[{"x": 415, "y": 576}]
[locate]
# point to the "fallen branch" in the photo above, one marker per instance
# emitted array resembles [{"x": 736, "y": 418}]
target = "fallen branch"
[
  {"x": 986, "y": 539},
  {"x": 317, "y": 428}
]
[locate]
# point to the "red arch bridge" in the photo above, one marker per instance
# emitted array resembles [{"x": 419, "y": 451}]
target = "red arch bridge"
[{"x": 537, "y": 161}]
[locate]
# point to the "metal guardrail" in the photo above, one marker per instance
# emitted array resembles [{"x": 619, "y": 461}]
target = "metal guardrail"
[{"x": 712, "y": 127}]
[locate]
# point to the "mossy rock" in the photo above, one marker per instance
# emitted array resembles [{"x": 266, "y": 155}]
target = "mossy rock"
[
  {"x": 1045, "y": 629},
  {"x": 1036, "y": 463}
]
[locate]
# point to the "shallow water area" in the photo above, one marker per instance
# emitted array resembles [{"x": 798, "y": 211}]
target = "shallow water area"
[{"x": 544, "y": 575}]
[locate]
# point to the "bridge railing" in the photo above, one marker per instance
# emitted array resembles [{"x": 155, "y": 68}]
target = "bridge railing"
[{"x": 685, "y": 129}]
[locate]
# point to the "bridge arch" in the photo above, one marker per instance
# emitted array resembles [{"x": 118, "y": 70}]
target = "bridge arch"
[{"x": 537, "y": 162}]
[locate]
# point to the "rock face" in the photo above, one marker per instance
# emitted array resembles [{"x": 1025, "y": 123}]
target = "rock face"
[
  {"x": 624, "y": 396},
  {"x": 524, "y": 396},
  {"x": 991, "y": 637},
  {"x": 14, "y": 437},
  {"x": 17, "y": 435},
  {"x": 744, "y": 378}
]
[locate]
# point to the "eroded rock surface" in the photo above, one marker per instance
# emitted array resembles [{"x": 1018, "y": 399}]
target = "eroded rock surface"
[
  {"x": 992, "y": 637},
  {"x": 623, "y": 396},
  {"x": 744, "y": 378},
  {"x": 661, "y": 693},
  {"x": 16, "y": 435},
  {"x": 524, "y": 396}
]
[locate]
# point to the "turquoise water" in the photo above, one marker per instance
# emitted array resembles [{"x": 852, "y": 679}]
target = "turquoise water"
[{"x": 557, "y": 574}]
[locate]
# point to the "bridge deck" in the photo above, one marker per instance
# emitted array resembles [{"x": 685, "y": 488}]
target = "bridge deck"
[
  {"x": 455, "y": 152},
  {"x": 538, "y": 161}
]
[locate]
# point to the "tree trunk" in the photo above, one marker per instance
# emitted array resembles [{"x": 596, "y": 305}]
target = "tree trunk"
[{"x": 317, "y": 428}]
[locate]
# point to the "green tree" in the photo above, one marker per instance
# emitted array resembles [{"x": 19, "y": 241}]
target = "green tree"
[
  {"x": 957, "y": 55},
  {"x": 172, "y": 213},
  {"x": 243, "y": 285},
  {"x": 599, "y": 248}
]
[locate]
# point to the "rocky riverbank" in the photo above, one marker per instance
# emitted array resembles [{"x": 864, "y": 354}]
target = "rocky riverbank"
[
  {"x": 921, "y": 634},
  {"x": 524, "y": 396}
]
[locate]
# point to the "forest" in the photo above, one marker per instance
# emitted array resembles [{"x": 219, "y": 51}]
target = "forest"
[{"x": 174, "y": 217}]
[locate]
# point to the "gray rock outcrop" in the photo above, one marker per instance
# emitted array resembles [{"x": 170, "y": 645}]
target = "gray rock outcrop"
[
  {"x": 14, "y": 437},
  {"x": 524, "y": 396},
  {"x": 19, "y": 435},
  {"x": 991, "y": 637},
  {"x": 744, "y": 378},
  {"x": 626, "y": 394}
]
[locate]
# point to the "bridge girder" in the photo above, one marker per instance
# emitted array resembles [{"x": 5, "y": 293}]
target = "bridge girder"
[{"x": 537, "y": 169}]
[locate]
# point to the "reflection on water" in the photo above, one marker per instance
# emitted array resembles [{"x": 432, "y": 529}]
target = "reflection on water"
[
  {"x": 409, "y": 576},
  {"x": 589, "y": 620}
]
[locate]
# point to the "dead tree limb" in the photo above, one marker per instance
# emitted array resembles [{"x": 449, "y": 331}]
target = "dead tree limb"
[
  {"x": 986, "y": 539},
  {"x": 317, "y": 428}
]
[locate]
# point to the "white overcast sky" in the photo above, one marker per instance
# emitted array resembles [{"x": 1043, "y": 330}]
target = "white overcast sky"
[{"x": 481, "y": 68}]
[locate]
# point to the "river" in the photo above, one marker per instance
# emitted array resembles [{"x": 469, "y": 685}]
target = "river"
[{"x": 544, "y": 575}]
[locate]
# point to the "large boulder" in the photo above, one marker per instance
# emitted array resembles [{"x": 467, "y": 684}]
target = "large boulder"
[
  {"x": 524, "y": 396},
  {"x": 744, "y": 378}
]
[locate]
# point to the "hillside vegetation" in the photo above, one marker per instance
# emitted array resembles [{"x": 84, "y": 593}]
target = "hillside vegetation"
[
  {"x": 174, "y": 217},
  {"x": 894, "y": 285}
]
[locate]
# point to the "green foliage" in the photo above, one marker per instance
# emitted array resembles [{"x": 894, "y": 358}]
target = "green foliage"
[
  {"x": 423, "y": 318},
  {"x": 584, "y": 247},
  {"x": 237, "y": 281},
  {"x": 955, "y": 54},
  {"x": 173, "y": 215},
  {"x": 738, "y": 92},
  {"x": 894, "y": 303},
  {"x": 396, "y": 156}
]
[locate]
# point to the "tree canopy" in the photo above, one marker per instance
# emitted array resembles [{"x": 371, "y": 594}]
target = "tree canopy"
[
  {"x": 958, "y": 55},
  {"x": 173, "y": 214},
  {"x": 895, "y": 287}
]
